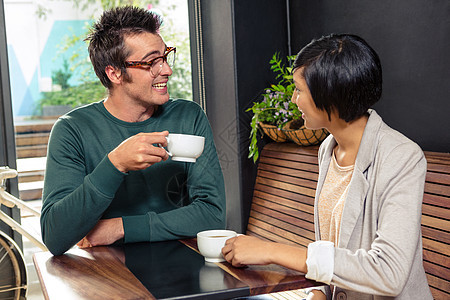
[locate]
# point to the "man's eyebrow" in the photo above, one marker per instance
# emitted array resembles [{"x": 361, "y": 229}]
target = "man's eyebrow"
[
  {"x": 154, "y": 52},
  {"x": 150, "y": 54}
]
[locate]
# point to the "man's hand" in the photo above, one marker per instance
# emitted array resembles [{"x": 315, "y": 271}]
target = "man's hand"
[
  {"x": 138, "y": 152},
  {"x": 105, "y": 232}
]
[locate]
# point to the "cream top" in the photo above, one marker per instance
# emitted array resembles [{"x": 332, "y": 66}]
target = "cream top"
[{"x": 332, "y": 199}]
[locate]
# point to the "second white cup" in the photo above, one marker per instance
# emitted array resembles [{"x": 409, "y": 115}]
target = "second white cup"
[{"x": 211, "y": 242}]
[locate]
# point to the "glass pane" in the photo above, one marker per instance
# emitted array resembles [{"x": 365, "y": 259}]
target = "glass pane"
[{"x": 50, "y": 74}]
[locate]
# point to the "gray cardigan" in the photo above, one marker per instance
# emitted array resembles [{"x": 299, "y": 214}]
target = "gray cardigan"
[{"x": 379, "y": 253}]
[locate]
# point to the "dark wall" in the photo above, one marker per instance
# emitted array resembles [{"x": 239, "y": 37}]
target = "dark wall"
[
  {"x": 239, "y": 38},
  {"x": 412, "y": 38},
  {"x": 261, "y": 30}
]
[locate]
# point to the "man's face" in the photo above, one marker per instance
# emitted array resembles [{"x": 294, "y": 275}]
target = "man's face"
[{"x": 141, "y": 86}]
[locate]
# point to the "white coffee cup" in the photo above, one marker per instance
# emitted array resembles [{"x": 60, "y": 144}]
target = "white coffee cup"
[
  {"x": 211, "y": 242},
  {"x": 185, "y": 147}
]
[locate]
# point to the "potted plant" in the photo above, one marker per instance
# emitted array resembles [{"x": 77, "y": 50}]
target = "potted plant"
[
  {"x": 278, "y": 117},
  {"x": 276, "y": 109}
]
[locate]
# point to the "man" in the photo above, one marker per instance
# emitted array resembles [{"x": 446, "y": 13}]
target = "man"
[{"x": 107, "y": 178}]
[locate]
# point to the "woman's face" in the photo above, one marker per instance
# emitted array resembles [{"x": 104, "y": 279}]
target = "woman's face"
[{"x": 314, "y": 118}]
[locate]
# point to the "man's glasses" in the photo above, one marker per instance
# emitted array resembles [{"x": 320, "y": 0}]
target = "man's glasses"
[{"x": 155, "y": 65}]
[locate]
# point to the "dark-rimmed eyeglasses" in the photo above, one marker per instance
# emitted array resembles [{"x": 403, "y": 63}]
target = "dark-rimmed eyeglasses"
[{"x": 155, "y": 65}]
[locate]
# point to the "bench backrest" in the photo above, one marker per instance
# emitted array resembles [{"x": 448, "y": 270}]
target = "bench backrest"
[{"x": 283, "y": 205}]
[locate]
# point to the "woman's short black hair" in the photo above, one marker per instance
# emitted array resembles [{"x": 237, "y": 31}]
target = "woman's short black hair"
[{"x": 343, "y": 73}]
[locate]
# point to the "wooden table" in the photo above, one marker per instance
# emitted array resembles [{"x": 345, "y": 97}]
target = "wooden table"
[{"x": 163, "y": 270}]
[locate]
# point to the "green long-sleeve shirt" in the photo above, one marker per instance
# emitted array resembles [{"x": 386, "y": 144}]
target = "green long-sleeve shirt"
[{"x": 168, "y": 200}]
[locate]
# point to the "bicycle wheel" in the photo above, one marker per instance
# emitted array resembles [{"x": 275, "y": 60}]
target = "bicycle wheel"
[{"x": 13, "y": 272}]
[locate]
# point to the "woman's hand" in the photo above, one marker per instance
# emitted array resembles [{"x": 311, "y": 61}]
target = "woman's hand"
[{"x": 247, "y": 250}]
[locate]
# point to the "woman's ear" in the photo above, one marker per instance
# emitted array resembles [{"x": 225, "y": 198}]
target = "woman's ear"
[{"x": 115, "y": 75}]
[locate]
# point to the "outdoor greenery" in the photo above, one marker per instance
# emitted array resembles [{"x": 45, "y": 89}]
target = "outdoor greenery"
[
  {"x": 78, "y": 64},
  {"x": 276, "y": 107},
  {"x": 75, "y": 96},
  {"x": 62, "y": 76}
]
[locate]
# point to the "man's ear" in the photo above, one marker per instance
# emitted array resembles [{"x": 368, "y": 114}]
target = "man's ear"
[{"x": 115, "y": 75}]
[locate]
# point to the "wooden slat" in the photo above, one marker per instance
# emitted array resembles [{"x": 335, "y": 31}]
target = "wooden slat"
[
  {"x": 302, "y": 172},
  {"x": 437, "y": 189},
  {"x": 436, "y": 200},
  {"x": 288, "y": 179},
  {"x": 285, "y": 186},
  {"x": 252, "y": 233},
  {"x": 33, "y": 194},
  {"x": 285, "y": 226},
  {"x": 443, "y": 169},
  {"x": 439, "y": 285},
  {"x": 438, "y": 294},
  {"x": 32, "y": 139},
  {"x": 280, "y": 219},
  {"x": 31, "y": 176},
  {"x": 436, "y": 223},
  {"x": 439, "y": 178},
  {"x": 292, "y": 157},
  {"x": 285, "y": 210},
  {"x": 292, "y": 148},
  {"x": 436, "y": 257},
  {"x": 313, "y": 168},
  {"x": 285, "y": 194},
  {"x": 438, "y": 157},
  {"x": 436, "y": 234},
  {"x": 31, "y": 151},
  {"x": 37, "y": 126},
  {"x": 436, "y": 211},
  {"x": 275, "y": 235},
  {"x": 436, "y": 247},
  {"x": 293, "y": 203},
  {"x": 436, "y": 270}
]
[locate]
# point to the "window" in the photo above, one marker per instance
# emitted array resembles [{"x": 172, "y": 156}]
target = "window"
[{"x": 50, "y": 72}]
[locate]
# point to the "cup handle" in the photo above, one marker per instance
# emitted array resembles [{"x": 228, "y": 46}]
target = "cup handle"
[{"x": 168, "y": 152}]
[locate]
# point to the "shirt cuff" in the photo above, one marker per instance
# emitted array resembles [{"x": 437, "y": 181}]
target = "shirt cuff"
[
  {"x": 136, "y": 229},
  {"x": 320, "y": 261},
  {"x": 322, "y": 288}
]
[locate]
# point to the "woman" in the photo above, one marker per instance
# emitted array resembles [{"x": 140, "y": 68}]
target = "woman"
[{"x": 369, "y": 194}]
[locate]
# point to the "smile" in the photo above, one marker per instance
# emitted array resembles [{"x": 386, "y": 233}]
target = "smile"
[{"x": 160, "y": 85}]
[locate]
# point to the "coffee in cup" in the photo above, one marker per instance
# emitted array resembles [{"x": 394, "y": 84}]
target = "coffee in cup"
[{"x": 211, "y": 242}]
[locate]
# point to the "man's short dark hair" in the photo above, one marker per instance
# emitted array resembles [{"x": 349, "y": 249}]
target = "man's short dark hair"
[
  {"x": 106, "y": 39},
  {"x": 343, "y": 73}
]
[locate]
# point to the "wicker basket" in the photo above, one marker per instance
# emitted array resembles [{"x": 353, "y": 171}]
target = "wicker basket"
[
  {"x": 274, "y": 133},
  {"x": 304, "y": 136}
]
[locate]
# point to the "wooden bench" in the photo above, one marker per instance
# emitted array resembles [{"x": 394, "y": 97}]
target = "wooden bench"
[
  {"x": 31, "y": 143},
  {"x": 283, "y": 206}
]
